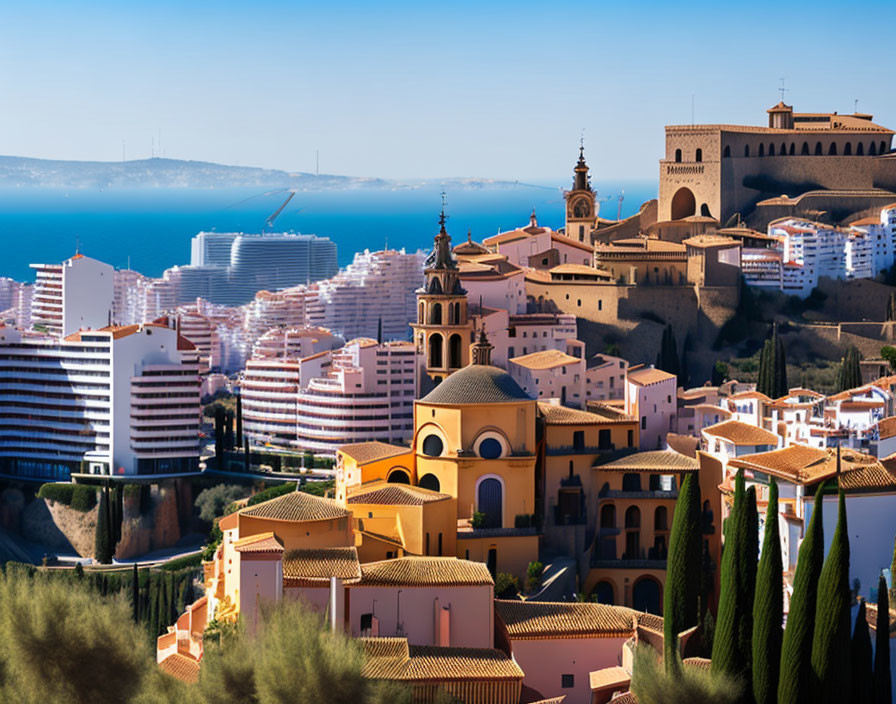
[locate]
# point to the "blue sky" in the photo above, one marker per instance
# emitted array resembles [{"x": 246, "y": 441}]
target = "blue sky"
[{"x": 412, "y": 90}]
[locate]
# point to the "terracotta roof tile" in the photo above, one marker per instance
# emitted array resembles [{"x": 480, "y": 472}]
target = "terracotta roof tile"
[
  {"x": 741, "y": 434},
  {"x": 394, "y": 659},
  {"x": 617, "y": 677},
  {"x": 545, "y": 359},
  {"x": 651, "y": 461},
  {"x": 320, "y": 564},
  {"x": 567, "y": 619},
  {"x": 646, "y": 377},
  {"x": 561, "y": 415},
  {"x": 181, "y": 667},
  {"x": 395, "y": 495},
  {"x": 263, "y": 542},
  {"x": 477, "y": 384},
  {"x": 886, "y": 427},
  {"x": 297, "y": 506},
  {"x": 425, "y": 572},
  {"x": 871, "y": 477},
  {"x": 805, "y": 465},
  {"x": 364, "y": 452}
]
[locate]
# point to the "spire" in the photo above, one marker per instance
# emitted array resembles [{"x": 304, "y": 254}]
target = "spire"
[
  {"x": 482, "y": 349},
  {"x": 580, "y": 180},
  {"x": 442, "y": 217},
  {"x": 442, "y": 258},
  {"x": 533, "y": 221}
]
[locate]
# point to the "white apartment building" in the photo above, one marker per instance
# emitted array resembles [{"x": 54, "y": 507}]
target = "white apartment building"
[
  {"x": 376, "y": 286},
  {"x": 295, "y": 343},
  {"x": 551, "y": 375},
  {"x": 77, "y": 294},
  {"x": 882, "y": 231},
  {"x": 362, "y": 392},
  {"x": 651, "y": 397},
  {"x": 605, "y": 378},
  {"x": 536, "y": 332},
  {"x": 119, "y": 401}
]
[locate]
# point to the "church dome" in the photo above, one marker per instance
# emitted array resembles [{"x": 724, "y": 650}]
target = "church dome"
[{"x": 477, "y": 383}]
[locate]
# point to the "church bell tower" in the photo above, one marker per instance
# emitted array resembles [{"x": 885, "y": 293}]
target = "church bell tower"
[{"x": 581, "y": 211}]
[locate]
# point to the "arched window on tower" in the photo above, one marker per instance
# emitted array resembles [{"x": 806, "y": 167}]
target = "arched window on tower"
[
  {"x": 435, "y": 351},
  {"x": 727, "y": 152},
  {"x": 435, "y": 314},
  {"x": 698, "y": 157},
  {"x": 872, "y": 149},
  {"x": 747, "y": 150},
  {"x": 420, "y": 313},
  {"x": 883, "y": 147},
  {"x": 847, "y": 149},
  {"x": 792, "y": 148},
  {"x": 783, "y": 151},
  {"x": 832, "y": 150},
  {"x": 818, "y": 149},
  {"x": 771, "y": 149},
  {"x": 678, "y": 156},
  {"x": 860, "y": 149},
  {"x": 761, "y": 150},
  {"x": 454, "y": 355},
  {"x": 805, "y": 150}
]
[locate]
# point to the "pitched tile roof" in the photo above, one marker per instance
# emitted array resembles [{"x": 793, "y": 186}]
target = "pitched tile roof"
[
  {"x": 425, "y": 572},
  {"x": 297, "y": 506},
  {"x": 805, "y": 465},
  {"x": 741, "y": 433},
  {"x": 651, "y": 461},
  {"x": 886, "y": 427},
  {"x": 747, "y": 395},
  {"x": 181, "y": 667},
  {"x": 648, "y": 376},
  {"x": 394, "y": 659},
  {"x": 545, "y": 359},
  {"x": 477, "y": 383},
  {"x": 319, "y": 564},
  {"x": 395, "y": 495},
  {"x": 873, "y": 476},
  {"x": 364, "y": 452},
  {"x": 607, "y": 677},
  {"x": 561, "y": 415},
  {"x": 568, "y": 619},
  {"x": 263, "y": 542}
]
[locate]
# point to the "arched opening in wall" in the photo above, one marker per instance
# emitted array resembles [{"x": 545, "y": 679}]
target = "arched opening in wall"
[
  {"x": 727, "y": 152},
  {"x": 632, "y": 517},
  {"x": 704, "y": 210},
  {"x": 398, "y": 476},
  {"x": 429, "y": 481},
  {"x": 818, "y": 149},
  {"x": 792, "y": 148},
  {"x": 631, "y": 481},
  {"x": 608, "y": 516},
  {"x": 454, "y": 356},
  {"x": 872, "y": 149},
  {"x": 683, "y": 204},
  {"x": 771, "y": 149},
  {"x": 698, "y": 157},
  {"x": 490, "y": 502},
  {"x": 678, "y": 156},
  {"x": 432, "y": 445},
  {"x": 661, "y": 518},
  {"x": 747, "y": 150},
  {"x": 435, "y": 350},
  {"x": 604, "y": 593},
  {"x": 860, "y": 149},
  {"x": 883, "y": 147},
  {"x": 491, "y": 562},
  {"x": 783, "y": 151},
  {"x": 847, "y": 149},
  {"x": 420, "y": 313},
  {"x": 647, "y": 596},
  {"x": 832, "y": 150},
  {"x": 632, "y": 533},
  {"x": 435, "y": 314},
  {"x": 805, "y": 149},
  {"x": 761, "y": 150}
]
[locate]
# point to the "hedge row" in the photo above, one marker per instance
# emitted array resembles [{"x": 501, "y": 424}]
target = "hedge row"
[{"x": 80, "y": 497}]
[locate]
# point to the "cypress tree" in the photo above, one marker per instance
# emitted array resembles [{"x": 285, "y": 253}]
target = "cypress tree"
[
  {"x": 882, "y": 683},
  {"x": 764, "y": 382},
  {"x": 861, "y": 657},
  {"x": 219, "y": 436},
  {"x": 831, "y": 673},
  {"x": 779, "y": 366},
  {"x": 682, "y": 591},
  {"x": 246, "y": 455},
  {"x": 152, "y": 623},
  {"x": 768, "y": 608},
  {"x": 228, "y": 431},
  {"x": 102, "y": 546},
  {"x": 850, "y": 375},
  {"x": 239, "y": 419},
  {"x": 727, "y": 654},
  {"x": 748, "y": 556},
  {"x": 796, "y": 646},
  {"x": 667, "y": 359}
]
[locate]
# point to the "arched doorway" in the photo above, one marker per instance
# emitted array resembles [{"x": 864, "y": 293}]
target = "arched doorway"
[
  {"x": 435, "y": 351},
  {"x": 429, "y": 481},
  {"x": 646, "y": 596},
  {"x": 454, "y": 357},
  {"x": 398, "y": 476},
  {"x": 684, "y": 204},
  {"x": 490, "y": 502},
  {"x": 603, "y": 593}
]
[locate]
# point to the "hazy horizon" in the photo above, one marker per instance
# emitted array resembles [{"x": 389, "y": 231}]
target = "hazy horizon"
[{"x": 401, "y": 90}]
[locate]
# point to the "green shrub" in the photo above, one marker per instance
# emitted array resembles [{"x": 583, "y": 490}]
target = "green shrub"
[
  {"x": 506, "y": 586},
  {"x": 60, "y": 493},
  {"x": 477, "y": 519},
  {"x": 213, "y": 501},
  {"x": 533, "y": 575},
  {"x": 180, "y": 563},
  {"x": 83, "y": 498}
]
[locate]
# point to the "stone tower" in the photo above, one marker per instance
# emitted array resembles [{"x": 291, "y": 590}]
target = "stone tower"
[
  {"x": 444, "y": 329},
  {"x": 581, "y": 213}
]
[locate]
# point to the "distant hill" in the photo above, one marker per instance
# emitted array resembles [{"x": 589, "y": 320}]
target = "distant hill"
[{"x": 24, "y": 172}]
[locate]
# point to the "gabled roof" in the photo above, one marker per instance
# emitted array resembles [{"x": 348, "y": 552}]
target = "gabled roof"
[
  {"x": 388, "y": 494},
  {"x": 477, "y": 384},
  {"x": 545, "y": 359},
  {"x": 561, "y": 415},
  {"x": 570, "y": 619},
  {"x": 181, "y": 667},
  {"x": 394, "y": 659},
  {"x": 263, "y": 542},
  {"x": 649, "y": 376},
  {"x": 651, "y": 461},
  {"x": 425, "y": 572},
  {"x": 886, "y": 427},
  {"x": 802, "y": 464},
  {"x": 741, "y": 434},
  {"x": 297, "y": 506},
  {"x": 320, "y": 564},
  {"x": 364, "y": 452}
]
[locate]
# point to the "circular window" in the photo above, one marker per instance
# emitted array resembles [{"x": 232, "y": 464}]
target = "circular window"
[
  {"x": 432, "y": 446},
  {"x": 490, "y": 449}
]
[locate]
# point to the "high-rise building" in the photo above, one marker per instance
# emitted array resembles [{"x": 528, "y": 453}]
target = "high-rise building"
[
  {"x": 77, "y": 294},
  {"x": 119, "y": 401}
]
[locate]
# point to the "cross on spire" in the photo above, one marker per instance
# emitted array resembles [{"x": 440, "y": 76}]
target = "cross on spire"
[
  {"x": 782, "y": 89},
  {"x": 442, "y": 216}
]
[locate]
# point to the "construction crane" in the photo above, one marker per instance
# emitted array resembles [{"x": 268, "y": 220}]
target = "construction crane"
[{"x": 273, "y": 216}]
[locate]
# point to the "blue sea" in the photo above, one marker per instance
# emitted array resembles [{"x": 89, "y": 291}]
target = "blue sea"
[{"x": 151, "y": 228}]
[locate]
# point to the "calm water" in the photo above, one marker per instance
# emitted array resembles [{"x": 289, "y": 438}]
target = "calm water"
[{"x": 153, "y": 227}]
